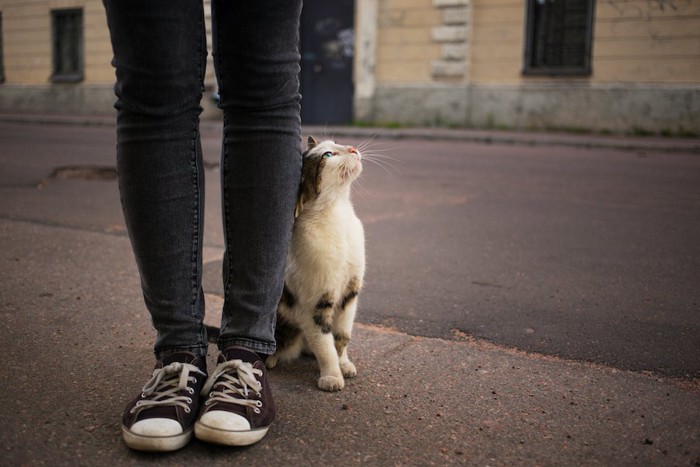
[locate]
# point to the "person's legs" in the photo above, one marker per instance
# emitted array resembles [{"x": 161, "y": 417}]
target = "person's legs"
[
  {"x": 257, "y": 62},
  {"x": 160, "y": 55}
]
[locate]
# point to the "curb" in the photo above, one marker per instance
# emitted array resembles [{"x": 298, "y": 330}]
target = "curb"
[{"x": 625, "y": 143}]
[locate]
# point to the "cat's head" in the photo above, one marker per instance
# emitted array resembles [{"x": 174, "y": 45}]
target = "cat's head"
[{"x": 327, "y": 172}]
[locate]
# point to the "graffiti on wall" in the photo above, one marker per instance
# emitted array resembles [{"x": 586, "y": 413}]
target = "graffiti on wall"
[{"x": 649, "y": 8}]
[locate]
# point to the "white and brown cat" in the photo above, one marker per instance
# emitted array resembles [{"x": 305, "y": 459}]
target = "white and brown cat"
[{"x": 325, "y": 265}]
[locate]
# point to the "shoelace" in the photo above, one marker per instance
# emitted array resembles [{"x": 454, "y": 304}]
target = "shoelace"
[
  {"x": 234, "y": 388},
  {"x": 165, "y": 384}
]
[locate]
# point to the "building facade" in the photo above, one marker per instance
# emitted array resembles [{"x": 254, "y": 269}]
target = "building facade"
[
  {"x": 594, "y": 65},
  {"x": 612, "y": 65}
]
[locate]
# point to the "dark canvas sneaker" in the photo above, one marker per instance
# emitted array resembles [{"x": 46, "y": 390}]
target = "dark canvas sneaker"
[
  {"x": 239, "y": 409},
  {"x": 161, "y": 418}
]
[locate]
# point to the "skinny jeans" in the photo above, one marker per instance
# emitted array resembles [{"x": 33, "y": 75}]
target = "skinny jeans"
[{"x": 160, "y": 55}]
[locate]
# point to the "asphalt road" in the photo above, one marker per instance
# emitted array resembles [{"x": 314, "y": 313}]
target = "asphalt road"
[{"x": 586, "y": 254}]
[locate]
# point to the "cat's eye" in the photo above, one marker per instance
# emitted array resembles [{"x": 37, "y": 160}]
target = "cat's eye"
[{"x": 327, "y": 154}]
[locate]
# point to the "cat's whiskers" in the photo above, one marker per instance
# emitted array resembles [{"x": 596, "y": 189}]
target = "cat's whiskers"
[
  {"x": 368, "y": 142},
  {"x": 378, "y": 147},
  {"x": 372, "y": 142},
  {"x": 381, "y": 155},
  {"x": 382, "y": 161},
  {"x": 360, "y": 189},
  {"x": 325, "y": 133},
  {"x": 374, "y": 152},
  {"x": 375, "y": 147}
]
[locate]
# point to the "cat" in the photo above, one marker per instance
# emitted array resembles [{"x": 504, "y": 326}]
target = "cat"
[{"x": 325, "y": 265}]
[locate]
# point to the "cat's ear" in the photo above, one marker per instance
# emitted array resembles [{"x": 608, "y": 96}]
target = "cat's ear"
[{"x": 311, "y": 143}]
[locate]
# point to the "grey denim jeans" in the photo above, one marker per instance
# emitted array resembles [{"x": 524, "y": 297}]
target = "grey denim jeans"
[{"x": 160, "y": 57}]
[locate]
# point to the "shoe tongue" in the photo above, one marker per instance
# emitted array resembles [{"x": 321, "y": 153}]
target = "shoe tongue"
[
  {"x": 184, "y": 357},
  {"x": 240, "y": 353}
]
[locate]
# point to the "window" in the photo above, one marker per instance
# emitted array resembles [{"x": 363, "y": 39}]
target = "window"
[
  {"x": 67, "y": 28},
  {"x": 558, "y": 37}
]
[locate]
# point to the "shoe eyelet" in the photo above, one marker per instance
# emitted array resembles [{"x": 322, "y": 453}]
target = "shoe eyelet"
[
  {"x": 189, "y": 400},
  {"x": 144, "y": 395},
  {"x": 138, "y": 403},
  {"x": 132, "y": 410},
  {"x": 256, "y": 410},
  {"x": 190, "y": 390},
  {"x": 188, "y": 410},
  {"x": 258, "y": 403}
]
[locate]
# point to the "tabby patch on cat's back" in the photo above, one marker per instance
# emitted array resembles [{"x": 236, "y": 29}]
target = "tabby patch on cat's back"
[{"x": 325, "y": 265}]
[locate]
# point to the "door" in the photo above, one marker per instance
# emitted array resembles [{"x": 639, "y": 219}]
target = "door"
[{"x": 327, "y": 49}]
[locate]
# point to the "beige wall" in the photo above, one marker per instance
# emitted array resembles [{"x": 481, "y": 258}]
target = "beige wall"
[
  {"x": 639, "y": 41},
  {"x": 431, "y": 62},
  {"x": 27, "y": 41},
  {"x": 647, "y": 41},
  {"x": 404, "y": 45},
  {"x": 497, "y": 41},
  {"x": 635, "y": 41}
]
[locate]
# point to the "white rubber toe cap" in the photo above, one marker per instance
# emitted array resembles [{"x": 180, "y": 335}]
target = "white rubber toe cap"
[
  {"x": 156, "y": 427},
  {"x": 226, "y": 421}
]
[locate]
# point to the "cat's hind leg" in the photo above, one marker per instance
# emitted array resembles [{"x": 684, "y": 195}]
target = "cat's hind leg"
[
  {"x": 346, "y": 366},
  {"x": 290, "y": 342}
]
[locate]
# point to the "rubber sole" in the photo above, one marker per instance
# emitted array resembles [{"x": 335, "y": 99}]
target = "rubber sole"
[
  {"x": 155, "y": 443},
  {"x": 228, "y": 438}
]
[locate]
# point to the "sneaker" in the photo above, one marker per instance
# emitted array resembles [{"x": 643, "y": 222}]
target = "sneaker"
[
  {"x": 162, "y": 416},
  {"x": 239, "y": 409}
]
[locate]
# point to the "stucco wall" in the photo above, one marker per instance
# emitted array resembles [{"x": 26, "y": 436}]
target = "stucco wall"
[
  {"x": 431, "y": 62},
  {"x": 645, "y": 61},
  {"x": 598, "y": 107},
  {"x": 28, "y": 60},
  {"x": 404, "y": 43},
  {"x": 27, "y": 41},
  {"x": 545, "y": 106},
  {"x": 635, "y": 41},
  {"x": 647, "y": 41}
]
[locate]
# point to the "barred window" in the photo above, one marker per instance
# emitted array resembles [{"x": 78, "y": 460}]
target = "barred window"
[
  {"x": 558, "y": 37},
  {"x": 67, "y": 28}
]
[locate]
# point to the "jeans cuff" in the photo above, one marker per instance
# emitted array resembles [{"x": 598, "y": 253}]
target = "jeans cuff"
[
  {"x": 263, "y": 348},
  {"x": 198, "y": 350}
]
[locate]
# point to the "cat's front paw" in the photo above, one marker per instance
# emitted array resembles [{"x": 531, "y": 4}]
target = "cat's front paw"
[
  {"x": 348, "y": 369},
  {"x": 271, "y": 361},
  {"x": 331, "y": 383}
]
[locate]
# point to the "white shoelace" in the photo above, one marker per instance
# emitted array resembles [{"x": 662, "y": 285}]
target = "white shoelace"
[
  {"x": 234, "y": 388},
  {"x": 164, "y": 385}
]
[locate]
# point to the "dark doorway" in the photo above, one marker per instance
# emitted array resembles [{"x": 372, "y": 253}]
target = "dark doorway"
[{"x": 327, "y": 51}]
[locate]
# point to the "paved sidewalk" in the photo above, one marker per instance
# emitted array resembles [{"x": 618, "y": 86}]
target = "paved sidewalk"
[
  {"x": 76, "y": 342},
  {"x": 77, "y": 345}
]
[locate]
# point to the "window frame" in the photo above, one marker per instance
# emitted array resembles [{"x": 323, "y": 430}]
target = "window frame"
[
  {"x": 532, "y": 70},
  {"x": 72, "y": 76}
]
